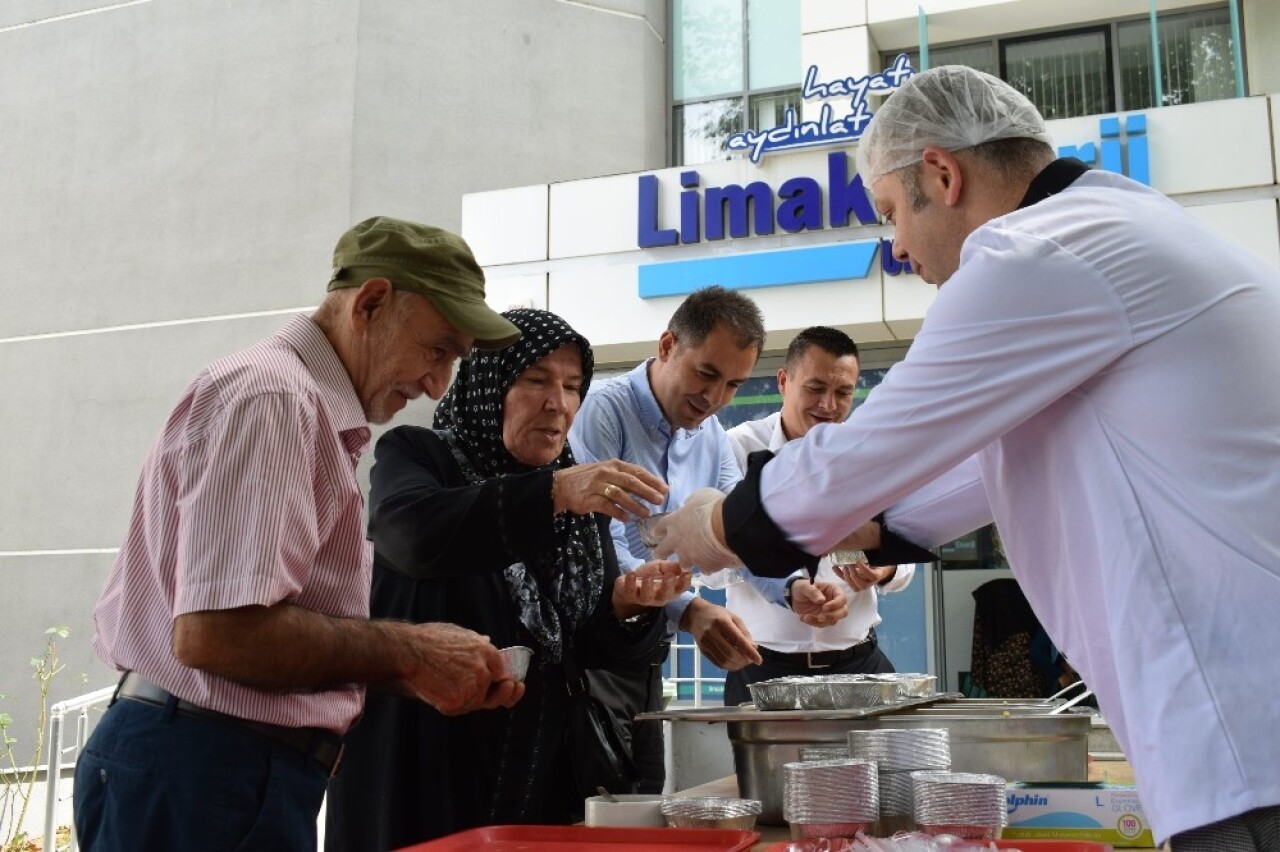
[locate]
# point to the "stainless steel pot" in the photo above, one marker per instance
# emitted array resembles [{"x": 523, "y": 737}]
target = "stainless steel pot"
[
  {"x": 1019, "y": 741},
  {"x": 1014, "y": 744}
]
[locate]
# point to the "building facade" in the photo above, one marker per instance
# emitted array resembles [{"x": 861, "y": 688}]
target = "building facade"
[
  {"x": 767, "y": 102},
  {"x": 176, "y": 174}
]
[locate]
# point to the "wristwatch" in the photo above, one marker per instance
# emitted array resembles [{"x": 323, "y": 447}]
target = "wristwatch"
[{"x": 786, "y": 594}]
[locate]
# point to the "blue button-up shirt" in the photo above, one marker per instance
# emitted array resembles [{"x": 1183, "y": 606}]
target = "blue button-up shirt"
[{"x": 621, "y": 419}]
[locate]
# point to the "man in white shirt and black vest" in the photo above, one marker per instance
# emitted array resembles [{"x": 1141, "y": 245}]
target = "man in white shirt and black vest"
[{"x": 817, "y": 381}]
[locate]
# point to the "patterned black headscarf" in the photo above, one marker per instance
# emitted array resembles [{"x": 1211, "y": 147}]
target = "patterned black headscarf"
[{"x": 557, "y": 593}]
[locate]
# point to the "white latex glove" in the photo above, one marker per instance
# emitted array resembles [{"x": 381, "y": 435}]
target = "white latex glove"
[{"x": 686, "y": 535}]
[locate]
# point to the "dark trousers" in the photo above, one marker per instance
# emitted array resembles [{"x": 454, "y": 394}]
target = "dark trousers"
[
  {"x": 152, "y": 778},
  {"x": 1257, "y": 830},
  {"x": 867, "y": 659},
  {"x": 626, "y": 694}
]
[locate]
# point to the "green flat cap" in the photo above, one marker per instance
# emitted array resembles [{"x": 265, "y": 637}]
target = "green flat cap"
[{"x": 425, "y": 260}]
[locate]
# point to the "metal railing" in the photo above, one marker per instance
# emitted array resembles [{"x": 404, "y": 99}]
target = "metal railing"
[{"x": 58, "y": 713}]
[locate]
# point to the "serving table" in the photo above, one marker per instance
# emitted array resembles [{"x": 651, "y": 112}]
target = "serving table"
[{"x": 1111, "y": 771}]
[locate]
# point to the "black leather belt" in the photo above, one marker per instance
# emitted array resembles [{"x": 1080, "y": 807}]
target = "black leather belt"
[
  {"x": 324, "y": 747},
  {"x": 818, "y": 659}
]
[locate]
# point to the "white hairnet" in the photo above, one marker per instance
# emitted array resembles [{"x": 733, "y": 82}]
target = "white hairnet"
[{"x": 949, "y": 107}]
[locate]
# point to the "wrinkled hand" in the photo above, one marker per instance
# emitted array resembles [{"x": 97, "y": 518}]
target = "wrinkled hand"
[
  {"x": 818, "y": 604},
  {"x": 688, "y": 534},
  {"x": 862, "y": 576},
  {"x": 614, "y": 488},
  {"x": 651, "y": 585},
  {"x": 721, "y": 635},
  {"x": 458, "y": 671}
]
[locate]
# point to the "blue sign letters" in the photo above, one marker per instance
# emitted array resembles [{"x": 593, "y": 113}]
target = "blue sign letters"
[{"x": 740, "y": 211}]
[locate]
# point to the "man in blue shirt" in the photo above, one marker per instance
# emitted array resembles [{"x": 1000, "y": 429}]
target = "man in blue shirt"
[{"x": 659, "y": 416}]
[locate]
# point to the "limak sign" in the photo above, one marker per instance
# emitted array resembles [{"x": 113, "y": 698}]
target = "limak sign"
[{"x": 803, "y": 204}]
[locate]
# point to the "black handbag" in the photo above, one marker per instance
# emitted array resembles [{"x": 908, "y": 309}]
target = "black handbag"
[{"x": 600, "y": 756}]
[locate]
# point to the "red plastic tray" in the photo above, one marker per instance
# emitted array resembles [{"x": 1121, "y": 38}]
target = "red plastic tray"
[
  {"x": 1027, "y": 845},
  {"x": 580, "y": 838}
]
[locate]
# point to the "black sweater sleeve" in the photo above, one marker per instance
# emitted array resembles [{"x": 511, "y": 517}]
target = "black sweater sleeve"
[
  {"x": 765, "y": 548},
  {"x": 426, "y": 521}
]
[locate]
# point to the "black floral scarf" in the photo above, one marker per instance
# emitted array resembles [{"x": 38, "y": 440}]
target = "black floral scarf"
[{"x": 557, "y": 593}]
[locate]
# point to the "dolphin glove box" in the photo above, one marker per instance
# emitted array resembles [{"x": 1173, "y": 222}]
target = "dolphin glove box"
[{"x": 1078, "y": 811}]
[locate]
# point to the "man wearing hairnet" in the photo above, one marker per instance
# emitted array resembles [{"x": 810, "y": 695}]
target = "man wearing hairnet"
[{"x": 1097, "y": 376}]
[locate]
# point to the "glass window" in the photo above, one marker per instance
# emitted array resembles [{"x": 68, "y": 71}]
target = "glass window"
[
  {"x": 771, "y": 110},
  {"x": 716, "y": 90},
  {"x": 980, "y": 55},
  {"x": 1196, "y": 61},
  {"x": 707, "y": 48},
  {"x": 1065, "y": 75},
  {"x": 773, "y": 44},
  {"x": 701, "y": 130}
]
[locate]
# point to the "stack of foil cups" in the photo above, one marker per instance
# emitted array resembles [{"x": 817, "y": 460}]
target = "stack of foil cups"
[
  {"x": 830, "y": 798},
  {"x": 823, "y": 752},
  {"x": 960, "y": 803},
  {"x": 898, "y": 753}
]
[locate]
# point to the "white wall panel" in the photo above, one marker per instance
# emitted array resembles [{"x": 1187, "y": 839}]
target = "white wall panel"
[
  {"x": 1252, "y": 224},
  {"x": 601, "y": 303},
  {"x": 506, "y": 225},
  {"x": 1188, "y": 147},
  {"x": 838, "y": 54},
  {"x": 1214, "y": 145},
  {"x": 819, "y": 15},
  {"x": 516, "y": 291},
  {"x": 1275, "y": 132},
  {"x": 855, "y": 305},
  {"x": 906, "y": 298},
  {"x": 595, "y": 216}
]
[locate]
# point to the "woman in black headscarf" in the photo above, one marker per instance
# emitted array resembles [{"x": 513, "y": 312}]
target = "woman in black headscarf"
[{"x": 486, "y": 522}]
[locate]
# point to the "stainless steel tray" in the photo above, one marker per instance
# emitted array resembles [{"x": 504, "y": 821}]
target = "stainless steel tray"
[{"x": 748, "y": 712}]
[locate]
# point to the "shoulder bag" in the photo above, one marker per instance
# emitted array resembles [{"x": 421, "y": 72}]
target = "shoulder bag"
[{"x": 598, "y": 749}]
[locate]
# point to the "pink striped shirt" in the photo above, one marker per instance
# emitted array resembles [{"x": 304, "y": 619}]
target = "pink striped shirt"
[{"x": 249, "y": 496}]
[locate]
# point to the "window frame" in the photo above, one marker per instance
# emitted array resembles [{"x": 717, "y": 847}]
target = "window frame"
[
  {"x": 675, "y": 138},
  {"x": 1112, "y": 25}
]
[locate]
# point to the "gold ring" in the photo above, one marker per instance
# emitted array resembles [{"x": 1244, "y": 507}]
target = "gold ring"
[{"x": 609, "y": 491}]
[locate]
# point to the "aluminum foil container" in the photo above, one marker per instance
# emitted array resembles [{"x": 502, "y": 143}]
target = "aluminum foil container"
[
  {"x": 823, "y": 752},
  {"x": 831, "y": 791},
  {"x": 946, "y": 800},
  {"x": 776, "y": 694},
  {"x": 705, "y": 812},
  {"x": 904, "y": 749},
  {"x": 964, "y": 832},
  {"x": 917, "y": 685},
  {"x": 516, "y": 661},
  {"x": 827, "y": 830},
  {"x": 842, "y": 693}
]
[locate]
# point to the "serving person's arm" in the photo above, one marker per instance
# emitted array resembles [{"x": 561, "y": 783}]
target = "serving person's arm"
[
  {"x": 285, "y": 648},
  {"x": 1022, "y": 323}
]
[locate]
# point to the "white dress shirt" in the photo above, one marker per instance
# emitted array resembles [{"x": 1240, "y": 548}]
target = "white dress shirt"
[
  {"x": 776, "y": 627},
  {"x": 1113, "y": 364}
]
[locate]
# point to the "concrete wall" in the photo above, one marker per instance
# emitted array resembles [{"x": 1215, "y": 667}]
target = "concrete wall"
[
  {"x": 1260, "y": 21},
  {"x": 175, "y": 176}
]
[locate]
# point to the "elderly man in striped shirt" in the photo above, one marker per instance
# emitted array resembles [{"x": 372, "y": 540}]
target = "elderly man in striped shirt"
[{"x": 238, "y": 606}]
